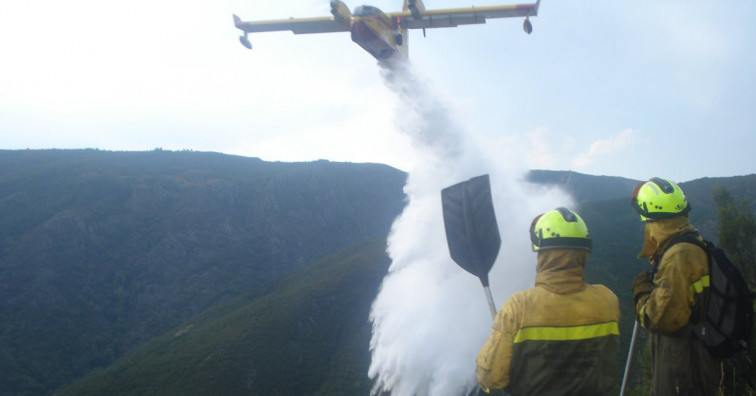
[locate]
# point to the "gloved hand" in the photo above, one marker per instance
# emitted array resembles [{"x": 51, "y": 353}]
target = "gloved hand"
[{"x": 642, "y": 285}]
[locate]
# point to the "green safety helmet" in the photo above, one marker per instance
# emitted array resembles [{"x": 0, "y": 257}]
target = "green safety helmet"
[
  {"x": 659, "y": 199},
  {"x": 560, "y": 228}
]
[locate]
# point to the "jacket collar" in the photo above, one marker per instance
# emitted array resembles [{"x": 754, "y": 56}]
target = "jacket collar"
[
  {"x": 561, "y": 270},
  {"x": 659, "y": 233}
]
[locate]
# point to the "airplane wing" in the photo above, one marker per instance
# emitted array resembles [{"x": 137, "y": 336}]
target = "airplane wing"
[
  {"x": 296, "y": 25},
  {"x": 463, "y": 16}
]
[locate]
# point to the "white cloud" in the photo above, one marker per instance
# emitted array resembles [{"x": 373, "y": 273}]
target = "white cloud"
[
  {"x": 541, "y": 148},
  {"x": 603, "y": 147}
]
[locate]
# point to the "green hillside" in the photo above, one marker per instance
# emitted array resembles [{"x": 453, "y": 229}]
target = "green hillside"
[
  {"x": 102, "y": 251},
  {"x": 585, "y": 188},
  {"x": 306, "y": 334}
]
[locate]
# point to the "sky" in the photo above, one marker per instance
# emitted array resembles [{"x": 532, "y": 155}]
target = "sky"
[{"x": 634, "y": 89}]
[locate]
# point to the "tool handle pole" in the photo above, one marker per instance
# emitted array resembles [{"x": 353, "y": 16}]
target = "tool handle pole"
[
  {"x": 629, "y": 359},
  {"x": 489, "y": 297}
]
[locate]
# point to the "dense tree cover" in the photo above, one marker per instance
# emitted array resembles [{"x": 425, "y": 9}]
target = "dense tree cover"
[
  {"x": 737, "y": 231},
  {"x": 737, "y": 236},
  {"x": 305, "y": 334}
]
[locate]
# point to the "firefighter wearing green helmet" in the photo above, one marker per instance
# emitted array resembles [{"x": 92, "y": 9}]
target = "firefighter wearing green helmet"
[
  {"x": 561, "y": 336},
  {"x": 668, "y": 298}
]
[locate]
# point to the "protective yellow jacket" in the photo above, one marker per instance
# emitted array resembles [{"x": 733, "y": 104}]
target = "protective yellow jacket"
[
  {"x": 681, "y": 365},
  {"x": 557, "y": 338}
]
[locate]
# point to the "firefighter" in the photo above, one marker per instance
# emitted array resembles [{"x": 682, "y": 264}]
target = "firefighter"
[
  {"x": 561, "y": 336},
  {"x": 668, "y": 298}
]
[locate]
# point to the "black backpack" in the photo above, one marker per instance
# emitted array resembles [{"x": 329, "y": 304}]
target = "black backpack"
[{"x": 728, "y": 323}]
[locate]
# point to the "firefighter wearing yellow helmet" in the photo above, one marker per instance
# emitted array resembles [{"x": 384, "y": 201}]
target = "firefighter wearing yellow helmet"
[
  {"x": 659, "y": 199},
  {"x": 670, "y": 296},
  {"x": 561, "y": 336}
]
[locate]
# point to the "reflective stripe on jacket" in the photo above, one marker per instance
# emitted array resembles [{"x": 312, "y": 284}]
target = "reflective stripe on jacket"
[{"x": 558, "y": 338}]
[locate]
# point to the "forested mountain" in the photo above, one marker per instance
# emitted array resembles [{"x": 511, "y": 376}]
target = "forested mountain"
[
  {"x": 102, "y": 251},
  {"x": 305, "y": 334},
  {"x": 206, "y": 274}
]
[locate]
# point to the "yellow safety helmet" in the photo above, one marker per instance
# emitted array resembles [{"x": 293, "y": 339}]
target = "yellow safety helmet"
[
  {"x": 659, "y": 199},
  {"x": 560, "y": 228}
]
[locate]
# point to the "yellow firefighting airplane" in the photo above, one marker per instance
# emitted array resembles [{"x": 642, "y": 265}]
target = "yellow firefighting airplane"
[{"x": 384, "y": 35}]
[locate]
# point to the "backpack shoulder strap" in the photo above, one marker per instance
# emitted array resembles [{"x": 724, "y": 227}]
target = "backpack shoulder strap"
[{"x": 688, "y": 237}]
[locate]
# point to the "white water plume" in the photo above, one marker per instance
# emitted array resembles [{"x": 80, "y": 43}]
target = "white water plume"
[{"x": 430, "y": 317}]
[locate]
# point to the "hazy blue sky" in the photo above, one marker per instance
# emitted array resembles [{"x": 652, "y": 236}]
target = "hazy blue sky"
[{"x": 635, "y": 88}]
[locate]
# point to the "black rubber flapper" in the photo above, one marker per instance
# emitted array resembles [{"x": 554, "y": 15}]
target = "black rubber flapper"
[{"x": 471, "y": 229}]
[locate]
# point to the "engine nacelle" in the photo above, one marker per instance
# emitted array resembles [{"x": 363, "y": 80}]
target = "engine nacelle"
[{"x": 340, "y": 11}]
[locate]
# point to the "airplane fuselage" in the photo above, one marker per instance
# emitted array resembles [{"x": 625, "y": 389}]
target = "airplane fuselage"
[{"x": 378, "y": 34}]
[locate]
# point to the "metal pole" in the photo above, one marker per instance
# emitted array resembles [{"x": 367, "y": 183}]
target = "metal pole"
[
  {"x": 490, "y": 301},
  {"x": 629, "y": 359}
]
